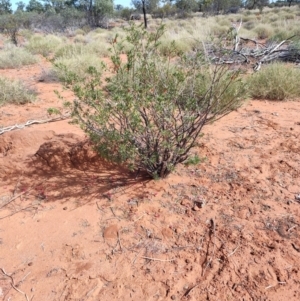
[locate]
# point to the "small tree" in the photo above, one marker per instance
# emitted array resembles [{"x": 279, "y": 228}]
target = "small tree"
[
  {"x": 10, "y": 24},
  {"x": 150, "y": 112}
]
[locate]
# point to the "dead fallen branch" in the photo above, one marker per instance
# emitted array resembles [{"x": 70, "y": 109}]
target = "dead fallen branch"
[
  {"x": 30, "y": 122},
  {"x": 245, "y": 51}
]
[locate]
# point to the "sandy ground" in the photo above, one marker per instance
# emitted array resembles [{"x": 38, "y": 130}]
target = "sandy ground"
[{"x": 73, "y": 227}]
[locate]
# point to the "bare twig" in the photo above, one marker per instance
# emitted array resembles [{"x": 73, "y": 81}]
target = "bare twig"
[
  {"x": 270, "y": 286},
  {"x": 99, "y": 208},
  {"x": 212, "y": 231},
  {"x": 20, "y": 194},
  {"x": 119, "y": 241},
  {"x": 139, "y": 218},
  {"x": 14, "y": 198},
  {"x": 91, "y": 290},
  {"x": 17, "y": 212},
  {"x": 190, "y": 289},
  {"x": 13, "y": 285},
  {"x": 233, "y": 251},
  {"x": 157, "y": 259}
]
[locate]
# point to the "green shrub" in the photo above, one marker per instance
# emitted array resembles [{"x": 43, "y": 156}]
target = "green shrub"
[
  {"x": 12, "y": 56},
  {"x": 275, "y": 82},
  {"x": 14, "y": 92},
  {"x": 43, "y": 45},
  {"x": 151, "y": 109}
]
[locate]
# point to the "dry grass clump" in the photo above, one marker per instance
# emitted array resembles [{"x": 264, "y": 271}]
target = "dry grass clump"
[
  {"x": 80, "y": 39},
  {"x": 280, "y": 35},
  {"x": 12, "y": 56},
  {"x": 79, "y": 32},
  {"x": 249, "y": 25},
  {"x": 44, "y": 45},
  {"x": 12, "y": 91},
  {"x": 276, "y": 81},
  {"x": 184, "y": 42},
  {"x": 218, "y": 31},
  {"x": 289, "y": 16},
  {"x": 26, "y": 33},
  {"x": 263, "y": 31},
  {"x": 78, "y": 64},
  {"x": 224, "y": 22},
  {"x": 69, "y": 50},
  {"x": 98, "y": 47}
]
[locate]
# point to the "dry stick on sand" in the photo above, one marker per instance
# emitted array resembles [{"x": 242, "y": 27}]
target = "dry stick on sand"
[
  {"x": 119, "y": 241},
  {"x": 23, "y": 209},
  {"x": 157, "y": 259},
  {"x": 212, "y": 231},
  {"x": 14, "y": 285},
  {"x": 30, "y": 122},
  {"x": 20, "y": 194},
  {"x": 15, "y": 197}
]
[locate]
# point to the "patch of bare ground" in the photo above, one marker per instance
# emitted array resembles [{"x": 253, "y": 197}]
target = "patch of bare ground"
[{"x": 73, "y": 227}]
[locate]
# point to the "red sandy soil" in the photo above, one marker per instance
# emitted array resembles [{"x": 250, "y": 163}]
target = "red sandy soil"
[{"x": 73, "y": 227}]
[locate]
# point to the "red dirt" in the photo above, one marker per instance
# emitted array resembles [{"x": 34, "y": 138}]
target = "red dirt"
[{"x": 78, "y": 228}]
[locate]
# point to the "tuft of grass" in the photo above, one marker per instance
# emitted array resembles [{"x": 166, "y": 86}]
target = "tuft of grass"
[
  {"x": 15, "y": 57},
  {"x": 26, "y": 33},
  {"x": 69, "y": 51},
  {"x": 14, "y": 92},
  {"x": 218, "y": 31},
  {"x": 263, "y": 31},
  {"x": 249, "y": 25},
  {"x": 194, "y": 160},
  {"x": 77, "y": 64},
  {"x": 80, "y": 39},
  {"x": 44, "y": 45},
  {"x": 275, "y": 82},
  {"x": 79, "y": 32}
]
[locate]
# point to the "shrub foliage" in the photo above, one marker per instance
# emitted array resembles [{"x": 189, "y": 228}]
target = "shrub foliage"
[{"x": 152, "y": 108}]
